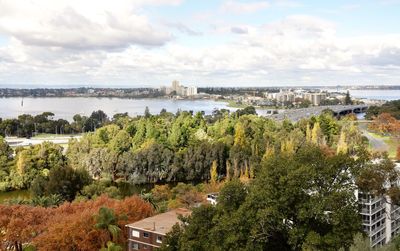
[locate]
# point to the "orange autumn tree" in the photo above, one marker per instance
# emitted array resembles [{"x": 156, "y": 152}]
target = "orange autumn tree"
[
  {"x": 71, "y": 226},
  {"x": 20, "y": 224},
  {"x": 385, "y": 123}
]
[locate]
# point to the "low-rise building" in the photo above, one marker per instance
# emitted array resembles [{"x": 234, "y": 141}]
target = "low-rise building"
[{"x": 149, "y": 233}]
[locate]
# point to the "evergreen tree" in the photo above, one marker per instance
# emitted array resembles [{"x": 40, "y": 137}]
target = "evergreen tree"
[{"x": 347, "y": 99}]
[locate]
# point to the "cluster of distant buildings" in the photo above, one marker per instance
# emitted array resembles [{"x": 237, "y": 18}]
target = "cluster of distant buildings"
[
  {"x": 292, "y": 96},
  {"x": 177, "y": 89}
]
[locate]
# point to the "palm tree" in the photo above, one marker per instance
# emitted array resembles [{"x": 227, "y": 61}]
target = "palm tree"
[
  {"x": 107, "y": 220},
  {"x": 111, "y": 246},
  {"x": 148, "y": 197}
]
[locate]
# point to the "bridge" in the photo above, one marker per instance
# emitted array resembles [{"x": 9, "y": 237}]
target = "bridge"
[{"x": 338, "y": 110}]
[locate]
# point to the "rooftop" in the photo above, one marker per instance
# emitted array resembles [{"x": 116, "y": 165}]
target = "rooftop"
[{"x": 161, "y": 223}]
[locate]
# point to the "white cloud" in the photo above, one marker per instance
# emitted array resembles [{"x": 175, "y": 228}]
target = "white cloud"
[
  {"x": 244, "y": 7},
  {"x": 239, "y": 29},
  {"x": 298, "y": 49},
  {"x": 89, "y": 24}
]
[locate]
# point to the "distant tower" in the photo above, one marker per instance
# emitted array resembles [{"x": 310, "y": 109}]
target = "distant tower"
[{"x": 175, "y": 85}]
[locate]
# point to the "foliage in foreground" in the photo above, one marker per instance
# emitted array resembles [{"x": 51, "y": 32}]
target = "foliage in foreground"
[
  {"x": 304, "y": 200},
  {"x": 71, "y": 226}
]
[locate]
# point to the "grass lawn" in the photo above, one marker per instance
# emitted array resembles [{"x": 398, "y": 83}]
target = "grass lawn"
[{"x": 393, "y": 144}]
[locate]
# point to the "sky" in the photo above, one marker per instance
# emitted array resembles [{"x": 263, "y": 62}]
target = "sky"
[{"x": 143, "y": 43}]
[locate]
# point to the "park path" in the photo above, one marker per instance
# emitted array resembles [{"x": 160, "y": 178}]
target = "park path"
[{"x": 376, "y": 143}]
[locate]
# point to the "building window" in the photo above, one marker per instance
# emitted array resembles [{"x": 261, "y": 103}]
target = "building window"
[
  {"x": 146, "y": 235},
  {"x": 145, "y": 247},
  {"x": 135, "y": 233},
  {"x": 135, "y": 246},
  {"x": 159, "y": 239}
]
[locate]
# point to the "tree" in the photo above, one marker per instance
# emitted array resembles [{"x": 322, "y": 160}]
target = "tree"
[
  {"x": 147, "y": 113},
  {"x": 111, "y": 246},
  {"x": 342, "y": 145},
  {"x": 71, "y": 226},
  {"x": 398, "y": 153},
  {"x": 232, "y": 195},
  {"x": 246, "y": 111},
  {"x": 347, "y": 99},
  {"x": 63, "y": 181},
  {"x": 299, "y": 201},
  {"x": 305, "y": 103},
  {"x": 107, "y": 220},
  {"x": 20, "y": 224},
  {"x": 96, "y": 119},
  {"x": 316, "y": 134},
  {"x": 5, "y": 161},
  {"x": 213, "y": 173}
]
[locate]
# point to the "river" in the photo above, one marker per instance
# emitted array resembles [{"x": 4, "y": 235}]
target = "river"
[
  {"x": 66, "y": 108},
  {"x": 373, "y": 94}
]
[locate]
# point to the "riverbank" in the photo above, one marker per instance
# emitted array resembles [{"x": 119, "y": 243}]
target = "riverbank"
[{"x": 17, "y": 194}]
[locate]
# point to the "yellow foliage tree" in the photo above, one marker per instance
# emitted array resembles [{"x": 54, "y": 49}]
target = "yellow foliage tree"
[
  {"x": 21, "y": 162},
  {"x": 316, "y": 134},
  {"x": 269, "y": 152},
  {"x": 213, "y": 173},
  {"x": 342, "y": 145},
  {"x": 308, "y": 134},
  {"x": 240, "y": 136},
  {"x": 287, "y": 146}
]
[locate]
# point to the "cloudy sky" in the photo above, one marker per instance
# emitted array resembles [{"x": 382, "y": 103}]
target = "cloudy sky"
[{"x": 135, "y": 43}]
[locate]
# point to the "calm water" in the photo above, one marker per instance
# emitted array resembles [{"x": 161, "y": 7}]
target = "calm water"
[
  {"x": 22, "y": 194},
  {"x": 375, "y": 94},
  {"x": 67, "y": 107}
]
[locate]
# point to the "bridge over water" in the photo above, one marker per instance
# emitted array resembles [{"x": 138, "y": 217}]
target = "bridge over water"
[{"x": 338, "y": 110}]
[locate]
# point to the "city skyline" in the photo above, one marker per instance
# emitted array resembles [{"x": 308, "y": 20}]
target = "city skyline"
[{"x": 135, "y": 43}]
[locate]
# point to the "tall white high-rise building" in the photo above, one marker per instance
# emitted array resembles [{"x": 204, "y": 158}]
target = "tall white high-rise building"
[{"x": 183, "y": 90}]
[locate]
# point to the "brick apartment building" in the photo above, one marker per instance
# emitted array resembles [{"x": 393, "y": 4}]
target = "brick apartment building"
[{"x": 149, "y": 233}]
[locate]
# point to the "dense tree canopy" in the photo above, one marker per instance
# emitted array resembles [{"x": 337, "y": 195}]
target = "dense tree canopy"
[
  {"x": 391, "y": 107},
  {"x": 302, "y": 200}
]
